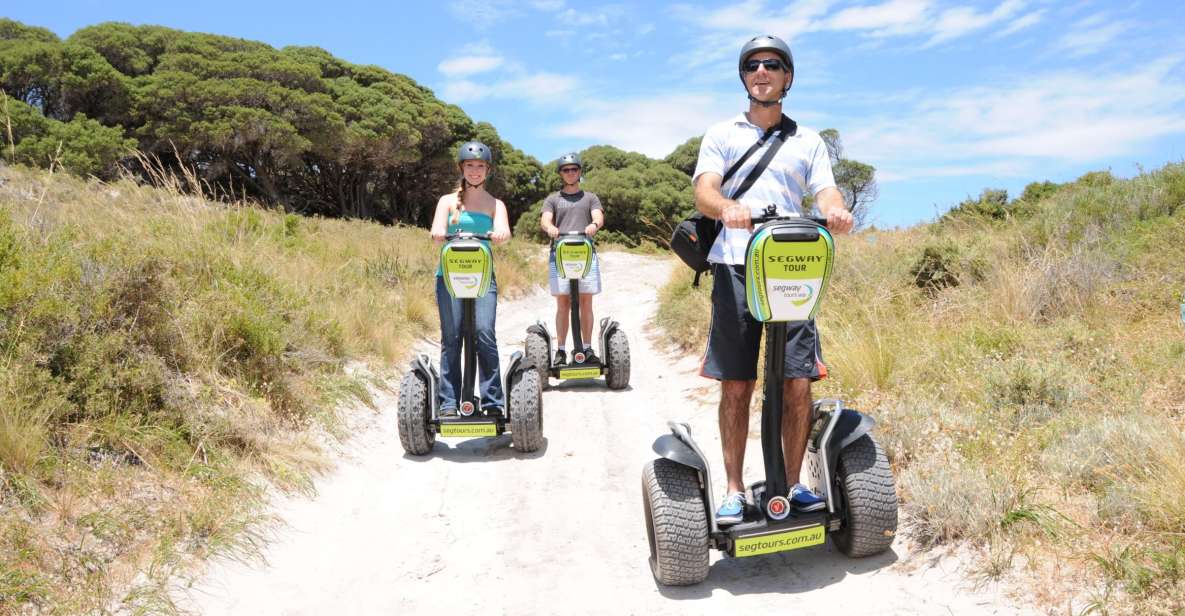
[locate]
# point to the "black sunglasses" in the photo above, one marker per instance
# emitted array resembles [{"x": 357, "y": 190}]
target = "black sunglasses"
[
  {"x": 569, "y": 169},
  {"x": 771, "y": 64}
]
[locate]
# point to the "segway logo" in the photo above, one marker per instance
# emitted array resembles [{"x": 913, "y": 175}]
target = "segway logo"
[
  {"x": 468, "y": 429},
  {"x": 466, "y": 408},
  {"x": 780, "y": 542},
  {"x": 466, "y": 281},
  {"x": 796, "y": 293}
]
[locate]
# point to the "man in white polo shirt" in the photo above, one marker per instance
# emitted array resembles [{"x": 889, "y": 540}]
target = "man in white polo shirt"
[{"x": 800, "y": 167}]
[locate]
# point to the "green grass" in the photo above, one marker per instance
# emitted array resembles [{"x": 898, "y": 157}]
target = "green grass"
[
  {"x": 1025, "y": 369},
  {"x": 163, "y": 357}
]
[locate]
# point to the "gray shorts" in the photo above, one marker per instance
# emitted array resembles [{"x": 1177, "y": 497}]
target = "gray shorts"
[
  {"x": 734, "y": 337},
  {"x": 590, "y": 284}
]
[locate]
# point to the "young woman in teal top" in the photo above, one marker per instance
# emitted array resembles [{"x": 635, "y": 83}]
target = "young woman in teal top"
[{"x": 470, "y": 209}]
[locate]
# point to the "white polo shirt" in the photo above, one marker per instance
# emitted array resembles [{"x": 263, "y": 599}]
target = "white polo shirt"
[{"x": 801, "y": 165}]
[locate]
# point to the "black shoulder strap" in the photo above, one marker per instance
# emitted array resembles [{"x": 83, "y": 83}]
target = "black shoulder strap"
[
  {"x": 744, "y": 157},
  {"x": 785, "y": 128}
]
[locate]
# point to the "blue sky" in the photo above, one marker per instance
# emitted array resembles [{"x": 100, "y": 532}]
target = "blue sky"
[{"x": 944, "y": 98}]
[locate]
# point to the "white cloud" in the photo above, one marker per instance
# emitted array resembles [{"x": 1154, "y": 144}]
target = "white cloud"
[
  {"x": 956, "y": 22},
  {"x": 1067, "y": 117},
  {"x": 533, "y": 88},
  {"x": 469, "y": 65},
  {"x": 584, "y": 18},
  {"x": 892, "y": 17},
  {"x": 1021, "y": 23},
  {"x": 482, "y": 13},
  {"x": 885, "y": 19},
  {"x": 1090, "y": 35},
  {"x": 653, "y": 126}
]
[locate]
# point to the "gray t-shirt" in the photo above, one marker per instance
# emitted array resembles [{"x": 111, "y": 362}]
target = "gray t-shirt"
[{"x": 571, "y": 212}]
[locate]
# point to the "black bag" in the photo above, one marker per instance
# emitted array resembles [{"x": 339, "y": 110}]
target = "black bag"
[{"x": 693, "y": 237}]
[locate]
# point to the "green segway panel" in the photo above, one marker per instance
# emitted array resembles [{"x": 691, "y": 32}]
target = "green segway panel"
[
  {"x": 787, "y": 264},
  {"x": 573, "y": 257},
  {"x": 467, "y": 267}
]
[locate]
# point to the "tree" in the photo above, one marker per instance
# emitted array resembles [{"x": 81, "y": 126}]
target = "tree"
[
  {"x": 295, "y": 126},
  {"x": 855, "y": 180},
  {"x": 82, "y": 145},
  {"x": 643, "y": 198},
  {"x": 685, "y": 156}
]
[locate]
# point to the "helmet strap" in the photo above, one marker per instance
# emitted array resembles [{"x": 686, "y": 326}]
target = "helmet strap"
[
  {"x": 765, "y": 103},
  {"x": 465, "y": 181}
]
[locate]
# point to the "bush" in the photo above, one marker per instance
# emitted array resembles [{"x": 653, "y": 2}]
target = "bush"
[
  {"x": 943, "y": 265},
  {"x": 81, "y": 146}
]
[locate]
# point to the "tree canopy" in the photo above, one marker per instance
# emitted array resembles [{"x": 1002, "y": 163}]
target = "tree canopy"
[
  {"x": 293, "y": 126},
  {"x": 643, "y": 198}
]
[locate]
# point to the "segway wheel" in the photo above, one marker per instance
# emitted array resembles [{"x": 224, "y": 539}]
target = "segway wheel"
[
  {"x": 536, "y": 352},
  {"x": 618, "y": 358},
  {"x": 676, "y": 523},
  {"x": 865, "y": 483},
  {"x": 415, "y": 434},
  {"x": 526, "y": 412}
]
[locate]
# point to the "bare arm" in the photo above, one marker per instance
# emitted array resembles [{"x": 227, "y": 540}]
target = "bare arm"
[
  {"x": 548, "y": 227},
  {"x": 712, "y": 203},
  {"x": 598, "y": 221},
  {"x": 830, "y": 203},
  {"x": 501, "y": 232},
  {"x": 440, "y": 218}
]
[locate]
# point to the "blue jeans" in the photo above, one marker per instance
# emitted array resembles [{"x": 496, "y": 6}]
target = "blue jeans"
[{"x": 490, "y": 383}]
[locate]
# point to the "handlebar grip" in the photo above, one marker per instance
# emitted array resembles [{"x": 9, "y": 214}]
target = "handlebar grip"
[{"x": 822, "y": 222}]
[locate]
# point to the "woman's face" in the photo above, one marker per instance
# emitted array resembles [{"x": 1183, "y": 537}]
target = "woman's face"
[{"x": 474, "y": 171}]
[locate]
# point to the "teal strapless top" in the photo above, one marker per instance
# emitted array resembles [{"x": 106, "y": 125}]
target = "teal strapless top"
[{"x": 470, "y": 222}]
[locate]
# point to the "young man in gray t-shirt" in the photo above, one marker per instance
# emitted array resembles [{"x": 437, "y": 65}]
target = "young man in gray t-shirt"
[{"x": 572, "y": 209}]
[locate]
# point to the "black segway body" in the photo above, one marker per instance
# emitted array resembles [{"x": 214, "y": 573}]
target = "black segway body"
[
  {"x": 467, "y": 270},
  {"x": 788, "y": 263}
]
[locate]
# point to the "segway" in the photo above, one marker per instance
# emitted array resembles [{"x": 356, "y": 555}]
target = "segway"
[
  {"x": 573, "y": 260},
  {"x": 787, "y": 262},
  {"x": 467, "y": 267}
]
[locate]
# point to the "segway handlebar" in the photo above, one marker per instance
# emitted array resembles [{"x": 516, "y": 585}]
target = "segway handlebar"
[
  {"x": 770, "y": 214},
  {"x": 566, "y": 234},
  {"x": 465, "y": 235}
]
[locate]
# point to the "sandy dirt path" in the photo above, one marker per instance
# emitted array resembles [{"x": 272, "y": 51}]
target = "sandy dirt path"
[{"x": 476, "y": 526}]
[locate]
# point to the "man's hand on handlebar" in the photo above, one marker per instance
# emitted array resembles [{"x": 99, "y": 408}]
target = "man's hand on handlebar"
[
  {"x": 553, "y": 231},
  {"x": 591, "y": 229},
  {"x": 839, "y": 220},
  {"x": 736, "y": 216},
  {"x": 500, "y": 236}
]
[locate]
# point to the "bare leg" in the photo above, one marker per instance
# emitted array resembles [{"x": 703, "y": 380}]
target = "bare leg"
[
  {"x": 586, "y": 319},
  {"x": 562, "y": 304},
  {"x": 734, "y": 429},
  {"x": 796, "y": 421}
]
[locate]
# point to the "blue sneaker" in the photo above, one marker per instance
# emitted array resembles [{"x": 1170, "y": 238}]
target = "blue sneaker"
[
  {"x": 805, "y": 500},
  {"x": 732, "y": 510}
]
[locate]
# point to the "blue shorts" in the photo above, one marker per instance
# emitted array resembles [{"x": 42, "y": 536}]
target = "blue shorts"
[
  {"x": 734, "y": 338},
  {"x": 590, "y": 284}
]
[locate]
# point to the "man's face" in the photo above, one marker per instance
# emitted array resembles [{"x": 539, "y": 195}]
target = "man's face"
[{"x": 763, "y": 83}]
